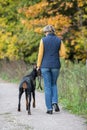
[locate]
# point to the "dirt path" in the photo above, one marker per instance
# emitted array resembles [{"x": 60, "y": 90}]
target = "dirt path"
[{"x": 10, "y": 119}]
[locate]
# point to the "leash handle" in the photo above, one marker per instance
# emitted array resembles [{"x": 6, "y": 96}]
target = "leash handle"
[{"x": 39, "y": 80}]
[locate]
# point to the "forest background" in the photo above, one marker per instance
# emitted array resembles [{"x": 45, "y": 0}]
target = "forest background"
[{"x": 21, "y": 24}]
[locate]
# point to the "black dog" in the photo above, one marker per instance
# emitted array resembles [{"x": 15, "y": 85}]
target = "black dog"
[{"x": 28, "y": 84}]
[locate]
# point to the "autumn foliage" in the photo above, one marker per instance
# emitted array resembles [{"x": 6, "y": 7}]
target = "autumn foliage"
[{"x": 21, "y": 27}]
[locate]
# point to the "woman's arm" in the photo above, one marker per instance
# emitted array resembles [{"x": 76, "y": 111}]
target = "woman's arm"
[
  {"x": 40, "y": 54},
  {"x": 62, "y": 51}
]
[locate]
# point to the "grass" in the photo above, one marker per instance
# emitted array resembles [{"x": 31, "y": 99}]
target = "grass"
[
  {"x": 73, "y": 88},
  {"x": 6, "y": 77},
  {"x": 13, "y": 71}
]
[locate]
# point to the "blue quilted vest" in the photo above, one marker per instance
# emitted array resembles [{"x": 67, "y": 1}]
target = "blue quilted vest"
[{"x": 51, "y": 51}]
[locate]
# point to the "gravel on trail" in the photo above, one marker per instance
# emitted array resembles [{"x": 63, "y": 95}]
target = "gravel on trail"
[{"x": 11, "y": 119}]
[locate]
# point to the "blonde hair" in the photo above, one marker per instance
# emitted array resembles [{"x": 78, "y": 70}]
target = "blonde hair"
[{"x": 49, "y": 28}]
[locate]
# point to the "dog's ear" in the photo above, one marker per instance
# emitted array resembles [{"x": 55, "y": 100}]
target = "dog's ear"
[{"x": 35, "y": 66}]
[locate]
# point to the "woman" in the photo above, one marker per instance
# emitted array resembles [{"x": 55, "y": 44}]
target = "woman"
[{"x": 50, "y": 50}]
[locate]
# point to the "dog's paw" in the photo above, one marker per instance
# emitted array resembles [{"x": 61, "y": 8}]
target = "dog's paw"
[
  {"x": 34, "y": 105},
  {"x": 27, "y": 108},
  {"x": 29, "y": 113},
  {"x": 19, "y": 110}
]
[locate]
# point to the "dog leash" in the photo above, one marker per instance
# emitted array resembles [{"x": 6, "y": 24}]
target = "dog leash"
[{"x": 39, "y": 81}]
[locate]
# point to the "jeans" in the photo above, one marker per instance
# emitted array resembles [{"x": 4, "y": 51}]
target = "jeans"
[{"x": 50, "y": 86}]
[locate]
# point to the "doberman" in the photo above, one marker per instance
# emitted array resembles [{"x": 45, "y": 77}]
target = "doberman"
[{"x": 27, "y": 85}]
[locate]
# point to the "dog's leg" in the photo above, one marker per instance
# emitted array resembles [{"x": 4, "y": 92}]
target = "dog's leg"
[
  {"x": 33, "y": 93},
  {"x": 26, "y": 96},
  {"x": 20, "y": 94},
  {"x": 29, "y": 105}
]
